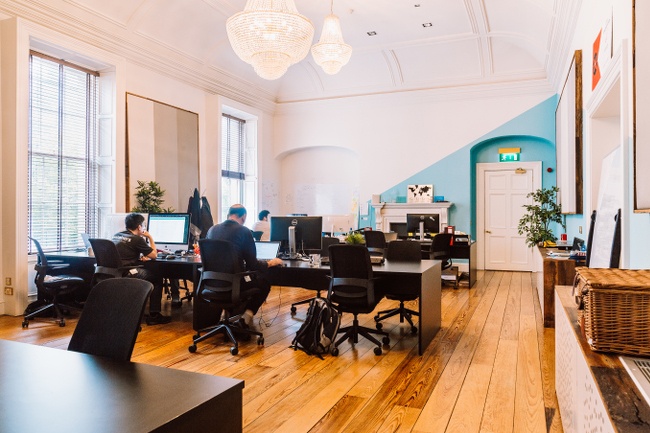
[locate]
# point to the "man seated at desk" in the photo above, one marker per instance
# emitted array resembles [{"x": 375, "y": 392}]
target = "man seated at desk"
[
  {"x": 133, "y": 249},
  {"x": 233, "y": 230}
]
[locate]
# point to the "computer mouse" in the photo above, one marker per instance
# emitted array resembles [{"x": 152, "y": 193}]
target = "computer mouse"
[{"x": 170, "y": 257}]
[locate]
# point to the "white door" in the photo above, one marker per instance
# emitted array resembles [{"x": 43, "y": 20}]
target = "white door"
[{"x": 501, "y": 194}]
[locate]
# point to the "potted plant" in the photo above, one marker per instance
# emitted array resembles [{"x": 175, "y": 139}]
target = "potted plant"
[
  {"x": 539, "y": 215},
  {"x": 150, "y": 198},
  {"x": 354, "y": 238}
]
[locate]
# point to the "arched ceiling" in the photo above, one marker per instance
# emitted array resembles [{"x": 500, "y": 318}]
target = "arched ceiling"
[{"x": 469, "y": 42}]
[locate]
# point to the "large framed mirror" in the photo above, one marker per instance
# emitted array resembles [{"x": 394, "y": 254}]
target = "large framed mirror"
[
  {"x": 162, "y": 144},
  {"x": 641, "y": 98},
  {"x": 568, "y": 139}
]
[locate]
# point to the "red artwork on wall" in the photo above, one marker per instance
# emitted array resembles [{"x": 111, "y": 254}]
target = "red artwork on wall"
[{"x": 595, "y": 68}]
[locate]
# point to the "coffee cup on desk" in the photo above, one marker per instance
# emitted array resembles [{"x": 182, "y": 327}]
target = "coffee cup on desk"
[
  {"x": 314, "y": 260},
  {"x": 90, "y": 252}
]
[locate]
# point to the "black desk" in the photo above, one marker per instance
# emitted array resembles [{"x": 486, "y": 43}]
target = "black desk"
[
  {"x": 52, "y": 390},
  {"x": 296, "y": 273},
  {"x": 457, "y": 252}
]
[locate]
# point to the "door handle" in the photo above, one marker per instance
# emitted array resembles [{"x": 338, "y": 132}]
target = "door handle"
[{"x": 488, "y": 231}]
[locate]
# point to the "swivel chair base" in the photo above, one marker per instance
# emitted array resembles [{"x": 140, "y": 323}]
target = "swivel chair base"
[
  {"x": 352, "y": 332},
  {"x": 404, "y": 313},
  {"x": 228, "y": 327},
  {"x": 60, "y": 319}
]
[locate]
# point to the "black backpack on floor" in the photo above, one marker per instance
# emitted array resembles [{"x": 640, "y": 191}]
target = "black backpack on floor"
[{"x": 317, "y": 334}]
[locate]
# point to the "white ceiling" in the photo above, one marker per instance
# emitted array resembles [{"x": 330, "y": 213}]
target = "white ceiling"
[{"x": 470, "y": 42}]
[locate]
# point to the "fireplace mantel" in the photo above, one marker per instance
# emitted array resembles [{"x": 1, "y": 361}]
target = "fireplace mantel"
[{"x": 386, "y": 213}]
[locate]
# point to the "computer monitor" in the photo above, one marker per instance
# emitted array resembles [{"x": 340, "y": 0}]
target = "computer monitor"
[
  {"x": 170, "y": 231},
  {"x": 338, "y": 224},
  {"x": 297, "y": 233},
  {"x": 422, "y": 224}
]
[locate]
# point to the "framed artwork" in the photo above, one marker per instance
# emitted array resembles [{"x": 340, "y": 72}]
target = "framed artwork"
[
  {"x": 568, "y": 139},
  {"x": 641, "y": 104},
  {"x": 419, "y": 194}
]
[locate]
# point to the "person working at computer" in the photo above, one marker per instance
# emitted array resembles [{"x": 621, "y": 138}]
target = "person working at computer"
[
  {"x": 262, "y": 225},
  {"x": 233, "y": 230},
  {"x": 133, "y": 248}
]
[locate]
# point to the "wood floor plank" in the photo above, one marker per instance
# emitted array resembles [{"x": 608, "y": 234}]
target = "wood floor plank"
[{"x": 492, "y": 345}]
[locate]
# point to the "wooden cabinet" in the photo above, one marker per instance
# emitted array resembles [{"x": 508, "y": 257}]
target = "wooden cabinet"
[{"x": 552, "y": 272}]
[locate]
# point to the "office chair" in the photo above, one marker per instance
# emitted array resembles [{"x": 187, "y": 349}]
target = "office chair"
[
  {"x": 257, "y": 235},
  {"x": 352, "y": 290},
  {"x": 324, "y": 254},
  {"x": 406, "y": 251},
  {"x": 109, "y": 263},
  {"x": 110, "y": 321},
  {"x": 441, "y": 250},
  {"x": 221, "y": 285},
  {"x": 50, "y": 287},
  {"x": 375, "y": 242}
]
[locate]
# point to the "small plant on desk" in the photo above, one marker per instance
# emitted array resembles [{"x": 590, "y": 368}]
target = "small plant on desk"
[{"x": 354, "y": 238}]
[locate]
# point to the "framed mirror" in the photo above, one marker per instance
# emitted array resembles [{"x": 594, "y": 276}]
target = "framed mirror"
[
  {"x": 568, "y": 139},
  {"x": 162, "y": 144},
  {"x": 641, "y": 103}
]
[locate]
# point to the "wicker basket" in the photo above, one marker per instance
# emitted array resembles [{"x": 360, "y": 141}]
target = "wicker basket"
[{"x": 616, "y": 309}]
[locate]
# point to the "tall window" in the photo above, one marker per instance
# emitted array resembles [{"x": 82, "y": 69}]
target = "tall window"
[
  {"x": 233, "y": 154},
  {"x": 62, "y": 153}
]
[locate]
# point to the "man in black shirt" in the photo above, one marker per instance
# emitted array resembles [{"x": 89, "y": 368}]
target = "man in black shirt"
[
  {"x": 133, "y": 249},
  {"x": 233, "y": 230}
]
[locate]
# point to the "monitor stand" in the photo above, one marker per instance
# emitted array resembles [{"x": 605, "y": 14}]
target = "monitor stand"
[{"x": 421, "y": 230}]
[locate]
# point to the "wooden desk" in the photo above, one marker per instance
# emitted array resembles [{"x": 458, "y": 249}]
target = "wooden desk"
[
  {"x": 296, "y": 273},
  {"x": 52, "y": 390},
  {"x": 555, "y": 272}
]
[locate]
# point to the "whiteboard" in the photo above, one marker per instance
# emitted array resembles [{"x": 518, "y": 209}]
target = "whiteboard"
[{"x": 610, "y": 200}]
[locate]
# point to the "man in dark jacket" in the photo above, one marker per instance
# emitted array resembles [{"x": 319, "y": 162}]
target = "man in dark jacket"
[{"x": 233, "y": 230}]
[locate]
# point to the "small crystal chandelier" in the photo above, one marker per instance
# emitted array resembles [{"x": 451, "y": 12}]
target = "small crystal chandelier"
[
  {"x": 331, "y": 53},
  {"x": 271, "y": 35}
]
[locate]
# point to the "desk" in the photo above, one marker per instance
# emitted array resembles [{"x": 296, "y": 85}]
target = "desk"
[
  {"x": 52, "y": 390},
  {"x": 457, "y": 252},
  {"x": 296, "y": 273}
]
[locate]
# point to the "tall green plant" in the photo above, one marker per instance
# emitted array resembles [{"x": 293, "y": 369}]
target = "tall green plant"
[
  {"x": 539, "y": 215},
  {"x": 150, "y": 198}
]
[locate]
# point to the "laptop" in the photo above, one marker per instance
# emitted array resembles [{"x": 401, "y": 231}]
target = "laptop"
[
  {"x": 267, "y": 250},
  {"x": 84, "y": 238}
]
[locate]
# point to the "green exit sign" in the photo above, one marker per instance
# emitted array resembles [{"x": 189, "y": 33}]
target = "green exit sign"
[{"x": 508, "y": 157}]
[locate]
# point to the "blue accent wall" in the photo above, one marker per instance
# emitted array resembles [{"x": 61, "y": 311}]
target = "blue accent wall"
[{"x": 454, "y": 176}]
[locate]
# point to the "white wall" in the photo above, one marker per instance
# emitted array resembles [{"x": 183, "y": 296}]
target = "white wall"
[{"x": 394, "y": 136}]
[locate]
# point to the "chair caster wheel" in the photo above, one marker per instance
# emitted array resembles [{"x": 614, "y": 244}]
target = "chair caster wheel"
[
  {"x": 293, "y": 310},
  {"x": 335, "y": 351},
  {"x": 195, "y": 336},
  {"x": 62, "y": 323},
  {"x": 234, "y": 351},
  {"x": 377, "y": 318},
  {"x": 25, "y": 324},
  {"x": 260, "y": 341},
  {"x": 414, "y": 329},
  {"x": 377, "y": 351},
  {"x": 379, "y": 326},
  {"x": 386, "y": 341},
  {"x": 192, "y": 348}
]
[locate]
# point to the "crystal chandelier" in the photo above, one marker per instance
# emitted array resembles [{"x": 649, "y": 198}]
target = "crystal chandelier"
[
  {"x": 331, "y": 53},
  {"x": 271, "y": 35}
]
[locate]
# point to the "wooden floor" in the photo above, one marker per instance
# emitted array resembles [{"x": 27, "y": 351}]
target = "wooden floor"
[{"x": 489, "y": 369}]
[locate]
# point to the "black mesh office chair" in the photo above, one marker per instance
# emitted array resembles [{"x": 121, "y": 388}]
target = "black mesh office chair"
[
  {"x": 110, "y": 321},
  {"x": 375, "y": 242},
  {"x": 352, "y": 290},
  {"x": 50, "y": 287},
  {"x": 221, "y": 284},
  {"x": 325, "y": 254},
  {"x": 109, "y": 263},
  {"x": 407, "y": 251},
  {"x": 441, "y": 250}
]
